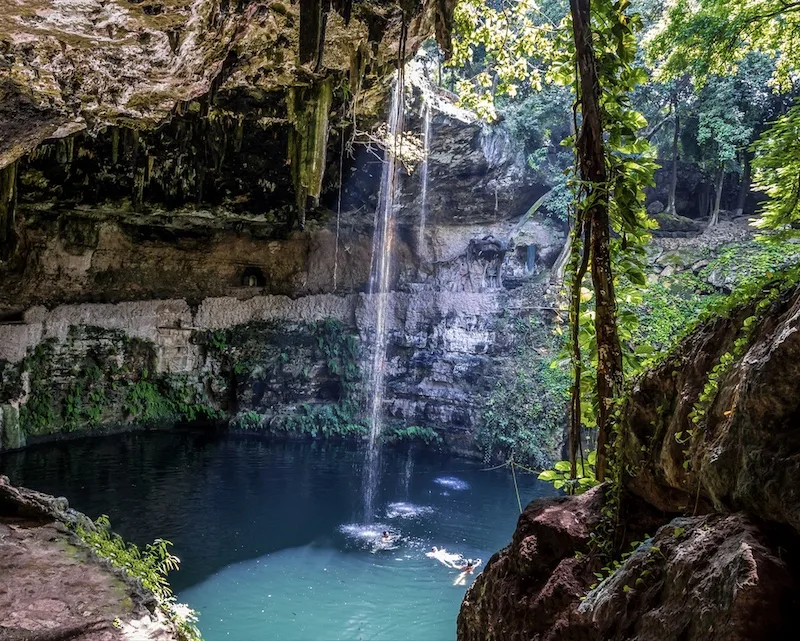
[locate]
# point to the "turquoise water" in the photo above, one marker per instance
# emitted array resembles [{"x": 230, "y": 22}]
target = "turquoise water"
[{"x": 270, "y": 534}]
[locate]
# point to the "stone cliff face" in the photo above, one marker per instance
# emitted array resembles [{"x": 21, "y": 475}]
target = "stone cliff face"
[
  {"x": 711, "y": 433},
  {"x": 209, "y": 104},
  {"x": 116, "y": 315},
  {"x": 187, "y": 198}
]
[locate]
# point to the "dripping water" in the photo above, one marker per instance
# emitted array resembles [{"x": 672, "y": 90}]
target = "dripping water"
[
  {"x": 382, "y": 242},
  {"x": 426, "y": 142}
]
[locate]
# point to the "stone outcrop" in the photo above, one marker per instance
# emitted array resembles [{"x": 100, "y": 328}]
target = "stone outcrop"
[
  {"x": 531, "y": 587},
  {"x": 711, "y": 432},
  {"x": 715, "y": 577},
  {"x": 217, "y": 106},
  {"x": 87, "y": 65},
  {"x": 743, "y": 454},
  {"x": 75, "y": 594}
]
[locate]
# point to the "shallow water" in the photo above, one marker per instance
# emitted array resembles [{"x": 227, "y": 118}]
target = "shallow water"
[{"x": 270, "y": 534}]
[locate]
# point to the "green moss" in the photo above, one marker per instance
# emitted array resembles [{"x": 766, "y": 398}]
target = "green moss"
[
  {"x": 271, "y": 355},
  {"x": 413, "y": 433},
  {"x": 308, "y": 109}
]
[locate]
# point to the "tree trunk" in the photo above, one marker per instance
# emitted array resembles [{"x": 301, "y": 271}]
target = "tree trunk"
[
  {"x": 592, "y": 165},
  {"x": 744, "y": 186},
  {"x": 714, "y": 218},
  {"x": 673, "y": 180}
]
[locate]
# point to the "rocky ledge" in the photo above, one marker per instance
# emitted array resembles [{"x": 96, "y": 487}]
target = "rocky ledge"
[
  {"x": 711, "y": 453},
  {"x": 76, "y": 595}
]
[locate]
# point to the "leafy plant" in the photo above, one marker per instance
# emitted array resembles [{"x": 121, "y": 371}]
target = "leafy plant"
[
  {"x": 150, "y": 566},
  {"x": 524, "y": 414},
  {"x": 561, "y": 477},
  {"x": 426, "y": 435}
]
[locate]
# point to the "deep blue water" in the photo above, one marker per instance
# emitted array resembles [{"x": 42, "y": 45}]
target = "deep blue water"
[{"x": 269, "y": 534}]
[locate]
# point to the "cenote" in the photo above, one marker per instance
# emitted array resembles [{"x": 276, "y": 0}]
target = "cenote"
[{"x": 269, "y": 533}]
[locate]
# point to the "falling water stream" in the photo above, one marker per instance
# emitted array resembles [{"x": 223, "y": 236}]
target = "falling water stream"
[
  {"x": 382, "y": 242},
  {"x": 426, "y": 142}
]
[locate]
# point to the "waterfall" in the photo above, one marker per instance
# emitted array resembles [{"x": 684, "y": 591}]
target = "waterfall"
[
  {"x": 382, "y": 242},
  {"x": 426, "y": 142}
]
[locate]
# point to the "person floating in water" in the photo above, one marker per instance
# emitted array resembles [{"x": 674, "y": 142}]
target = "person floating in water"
[
  {"x": 466, "y": 569},
  {"x": 448, "y": 559},
  {"x": 385, "y": 542}
]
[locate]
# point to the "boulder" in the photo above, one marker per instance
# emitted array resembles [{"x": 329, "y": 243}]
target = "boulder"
[
  {"x": 744, "y": 453},
  {"x": 532, "y": 586},
  {"x": 54, "y": 586},
  {"x": 709, "y": 578}
]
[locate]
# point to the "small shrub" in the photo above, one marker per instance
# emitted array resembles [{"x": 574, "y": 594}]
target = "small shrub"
[{"x": 150, "y": 566}]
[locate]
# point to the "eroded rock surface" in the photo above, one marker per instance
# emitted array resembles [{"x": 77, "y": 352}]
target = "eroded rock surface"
[
  {"x": 54, "y": 587},
  {"x": 744, "y": 454},
  {"x": 715, "y": 577}
]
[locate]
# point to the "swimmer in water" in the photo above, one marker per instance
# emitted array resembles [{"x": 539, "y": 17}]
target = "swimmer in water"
[
  {"x": 384, "y": 542},
  {"x": 448, "y": 559},
  {"x": 466, "y": 569}
]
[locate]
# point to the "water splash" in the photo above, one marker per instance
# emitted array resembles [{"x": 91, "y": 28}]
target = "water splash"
[
  {"x": 426, "y": 142},
  {"x": 403, "y": 510},
  {"x": 382, "y": 243},
  {"x": 452, "y": 483}
]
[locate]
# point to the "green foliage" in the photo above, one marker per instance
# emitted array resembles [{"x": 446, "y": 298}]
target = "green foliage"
[
  {"x": 38, "y": 414},
  {"x": 268, "y": 352},
  {"x": 503, "y": 39},
  {"x": 777, "y": 173},
  {"x": 648, "y": 564},
  {"x": 524, "y": 415},
  {"x": 713, "y": 38},
  {"x": 672, "y": 307},
  {"x": 561, "y": 478},
  {"x": 250, "y": 421},
  {"x": 325, "y": 421},
  {"x": 168, "y": 399},
  {"x": 86, "y": 397},
  {"x": 665, "y": 309},
  {"x": 150, "y": 566},
  {"x": 412, "y": 433}
]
